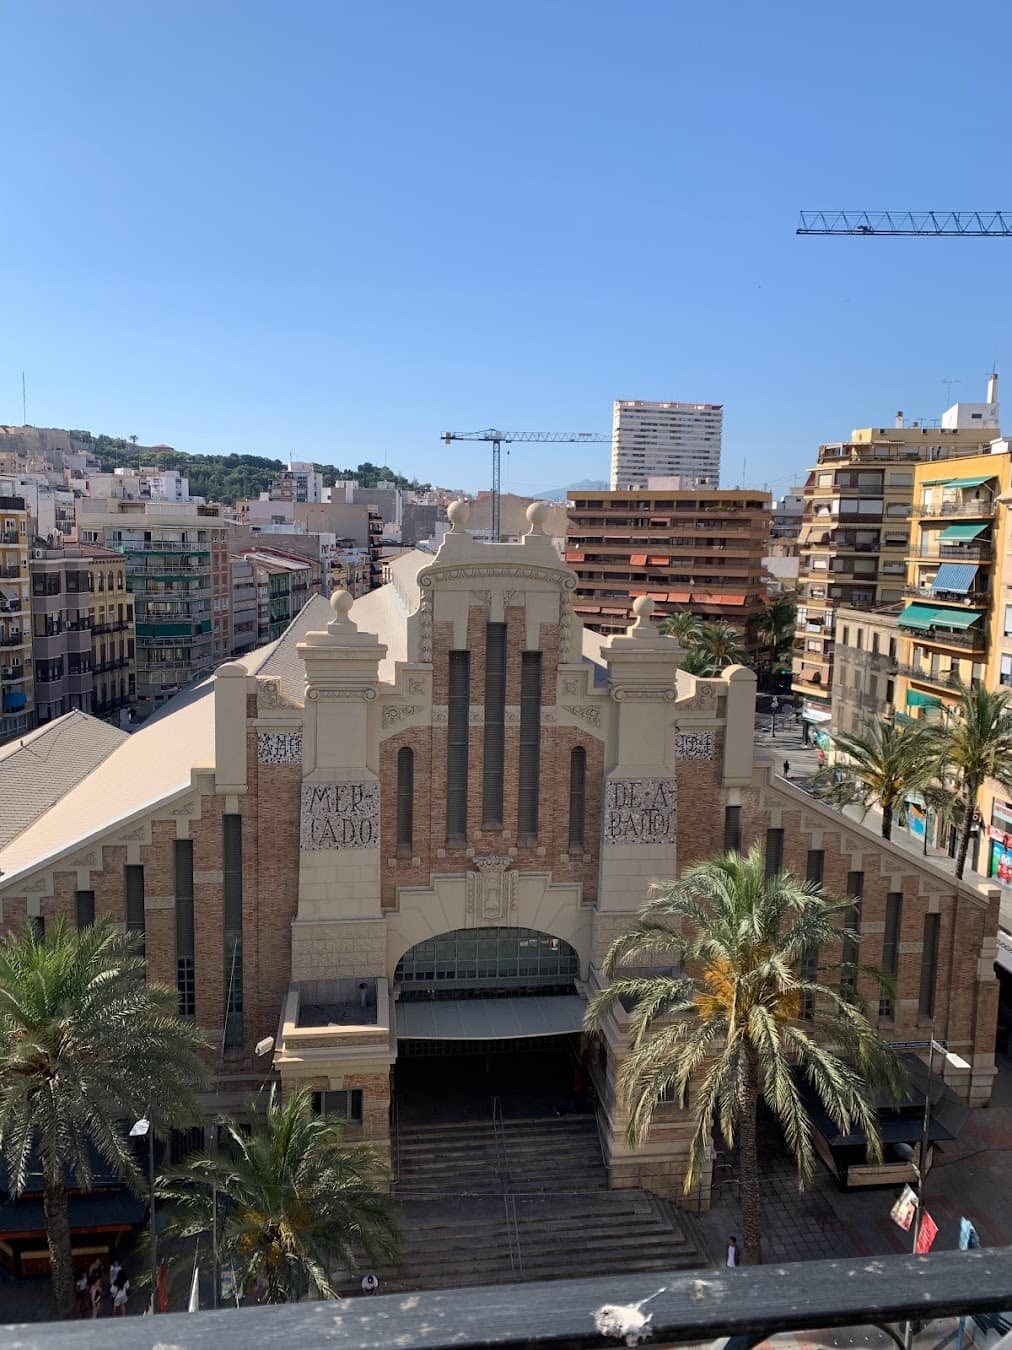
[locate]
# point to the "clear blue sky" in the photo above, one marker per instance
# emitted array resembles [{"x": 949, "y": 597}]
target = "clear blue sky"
[{"x": 335, "y": 230}]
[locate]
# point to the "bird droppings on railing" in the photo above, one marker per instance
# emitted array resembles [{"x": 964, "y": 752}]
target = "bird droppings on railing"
[{"x": 626, "y": 1321}]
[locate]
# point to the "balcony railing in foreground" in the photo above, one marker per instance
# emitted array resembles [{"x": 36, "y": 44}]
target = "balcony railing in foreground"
[{"x": 750, "y": 1303}]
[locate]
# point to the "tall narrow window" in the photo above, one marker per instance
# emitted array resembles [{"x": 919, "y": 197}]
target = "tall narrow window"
[
  {"x": 231, "y": 827},
  {"x": 186, "y": 983},
  {"x": 732, "y": 829},
  {"x": 37, "y": 923},
  {"x": 929, "y": 965},
  {"x": 405, "y": 801},
  {"x": 530, "y": 746},
  {"x": 815, "y": 865},
  {"x": 774, "y": 852},
  {"x": 855, "y": 890},
  {"x": 85, "y": 908},
  {"x": 577, "y": 799},
  {"x": 495, "y": 725},
  {"x": 134, "y": 881},
  {"x": 890, "y": 948},
  {"x": 459, "y": 697}
]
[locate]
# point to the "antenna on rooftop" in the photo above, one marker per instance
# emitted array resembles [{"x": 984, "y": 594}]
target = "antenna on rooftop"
[
  {"x": 948, "y": 390},
  {"x": 24, "y": 402}
]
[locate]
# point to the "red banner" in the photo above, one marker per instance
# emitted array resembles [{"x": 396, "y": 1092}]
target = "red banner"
[{"x": 926, "y": 1234}]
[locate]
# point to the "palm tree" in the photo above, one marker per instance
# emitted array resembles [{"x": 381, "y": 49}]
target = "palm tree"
[
  {"x": 722, "y": 645},
  {"x": 85, "y": 1045},
  {"x": 884, "y": 763},
  {"x": 684, "y": 626},
  {"x": 775, "y": 626},
  {"x": 746, "y": 1025},
  {"x": 292, "y": 1198},
  {"x": 977, "y": 745}
]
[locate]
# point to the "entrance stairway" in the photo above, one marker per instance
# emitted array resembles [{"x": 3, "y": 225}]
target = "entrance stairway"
[{"x": 489, "y": 1202}]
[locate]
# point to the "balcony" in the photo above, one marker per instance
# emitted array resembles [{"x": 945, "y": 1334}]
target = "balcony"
[
  {"x": 977, "y": 553},
  {"x": 942, "y": 679},
  {"x": 982, "y": 508}
]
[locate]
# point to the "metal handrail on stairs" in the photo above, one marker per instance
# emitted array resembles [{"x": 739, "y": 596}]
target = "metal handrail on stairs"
[{"x": 509, "y": 1199}]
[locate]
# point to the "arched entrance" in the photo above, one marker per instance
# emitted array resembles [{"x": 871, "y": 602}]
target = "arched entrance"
[{"x": 485, "y": 1013}]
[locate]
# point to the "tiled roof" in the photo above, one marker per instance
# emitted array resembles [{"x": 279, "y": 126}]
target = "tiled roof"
[{"x": 39, "y": 769}]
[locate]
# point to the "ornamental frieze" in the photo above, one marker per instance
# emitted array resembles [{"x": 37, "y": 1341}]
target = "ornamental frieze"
[
  {"x": 279, "y": 747},
  {"x": 340, "y": 815}
]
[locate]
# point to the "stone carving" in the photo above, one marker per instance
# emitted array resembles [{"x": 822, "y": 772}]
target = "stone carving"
[
  {"x": 639, "y": 811},
  {"x": 394, "y": 712},
  {"x": 84, "y": 860},
  {"x": 184, "y": 809},
  {"x": 366, "y": 692},
  {"x": 440, "y": 714},
  {"x": 416, "y": 686},
  {"x": 340, "y": 815},
  {"x": 279, "y": 747},
  {"x": 511, "y": 598},
  {"x": 269, "y": 695},
  {"x": 571, "y": 687},
  {"x": 511, "y": 715},
  {"x": 695, "y": 745},
  {"x": 622, "y": 692},
  {"x": 586, "y": 712},
  {"x": 39, "y": 885},
  {"x": 491, "y": 889},
  {"x": 548, "y": 717},
  {"x": 565, "y": 630},
  {"x": 137, "y": 835},
  {"x": 425, "y": 626},
  {"x": 475, "y": 715},
  {"x": 482, "y": 598},
  {"x": 567, "y": 580},
  {"x": 705, "y": 696}
]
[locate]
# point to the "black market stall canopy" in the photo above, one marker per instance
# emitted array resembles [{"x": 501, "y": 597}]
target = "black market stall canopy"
[
  {"x": 489, "y": 1019},
  {"x": 844, "y": 1153}
]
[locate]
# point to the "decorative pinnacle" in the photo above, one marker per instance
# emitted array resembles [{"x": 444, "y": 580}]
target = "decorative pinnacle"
[
  {"x": 537, "y": 514},
  {"x": 341, "y": 603},
  {"x": 643, "y": 607},
  {"x": 458, "y": 514}
]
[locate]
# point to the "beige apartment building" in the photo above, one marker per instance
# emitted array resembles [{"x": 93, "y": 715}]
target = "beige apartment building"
[
  {"x": 701, "y": 550},
  {"x": 856, "y": 528}
]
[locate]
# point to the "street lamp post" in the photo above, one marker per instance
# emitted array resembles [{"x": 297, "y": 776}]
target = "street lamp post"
[
  {"x": 774, "y": 709},
  {"x": 138, "y": 1130},
  {"x": 905, "y": 1152}
]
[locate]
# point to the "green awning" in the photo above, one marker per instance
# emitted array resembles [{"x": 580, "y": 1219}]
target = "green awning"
[
  {"x": 958, "y": 482},
  {"x": 915, "y": 699},
  {"x": 954, "y": 618},
  {"x": 917, "y": 616},
  {"x": 962, "y": 533}
]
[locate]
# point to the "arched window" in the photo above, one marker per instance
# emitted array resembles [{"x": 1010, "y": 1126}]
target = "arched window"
[
  {"x": 405, "y": 800},
  {"x": 108, "y": 581},
  {"x": 577, "y": 798}
]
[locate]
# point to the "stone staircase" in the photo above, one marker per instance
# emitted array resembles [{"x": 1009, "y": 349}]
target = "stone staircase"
[{"x": 529, "y": 1201}]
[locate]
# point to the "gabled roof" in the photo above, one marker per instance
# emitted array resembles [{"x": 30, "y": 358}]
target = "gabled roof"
[{"x": 39, "y": 769}]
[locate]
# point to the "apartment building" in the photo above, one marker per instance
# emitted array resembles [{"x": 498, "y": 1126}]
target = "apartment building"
[
  {"x": 17, "y": 692},
  {"x": 61, "y": 634},
  {"x": 113, "y": 636},
  {"x": 300, "y": 482},
  {"x": 700, "y": 550},
  {"x": 856, "y": 526},
  {"x": 284, "y": 582},
  {"x": 177, "y": 567},
  {"x": 244, "y": 604},
  {"x": 680, "y": 440},
  {"x": 867, "y": 654}
]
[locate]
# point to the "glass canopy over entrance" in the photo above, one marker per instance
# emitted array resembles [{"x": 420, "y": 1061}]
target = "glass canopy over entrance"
[{"x": 486, "y": 962}]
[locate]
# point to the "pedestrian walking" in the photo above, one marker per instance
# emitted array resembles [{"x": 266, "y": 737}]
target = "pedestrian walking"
[
  {"x": 115, "y": 1271},
  {"x": 787, "y": 768},
  {"x": 821, "y": 757},
  {"x": 370, "y": 1284},
  {"x": 97, "y": 1290},
  {"x": 120, "y": 1298},
  {"x": 733, "y": 1254},
  {"x": 83, "y": 1296}
]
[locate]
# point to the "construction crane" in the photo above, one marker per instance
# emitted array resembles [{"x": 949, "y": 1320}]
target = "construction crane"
[
  {"x": 947, "y": 224},
  {"x": 497, "y": 439}
]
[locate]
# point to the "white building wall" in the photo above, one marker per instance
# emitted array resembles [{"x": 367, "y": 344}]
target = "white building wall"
[{"x": 665, "y": 440}]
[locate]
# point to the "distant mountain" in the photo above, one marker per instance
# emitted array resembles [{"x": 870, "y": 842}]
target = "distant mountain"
[{"x": 585, "y": 485}]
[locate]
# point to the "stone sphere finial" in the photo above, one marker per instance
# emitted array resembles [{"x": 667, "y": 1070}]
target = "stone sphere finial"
[
  {"x": 458, "y": 513},
  {"x": 643, "y": 607},
  {"x": 341, "y": 603},
  {"x": 537, "y": 514}
]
